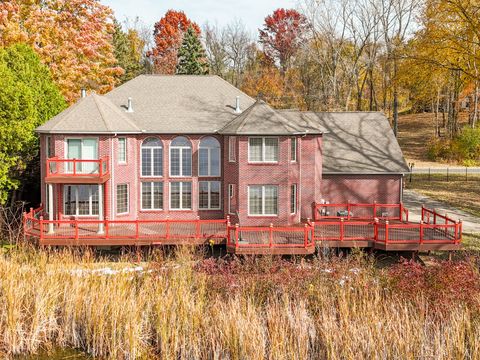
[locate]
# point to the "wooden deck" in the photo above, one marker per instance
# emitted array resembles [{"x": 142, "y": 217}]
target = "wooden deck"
[{"x": 290, "y": 240}]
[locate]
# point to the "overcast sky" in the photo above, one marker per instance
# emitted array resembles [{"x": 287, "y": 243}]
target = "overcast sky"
[{"x": 251, "y": 12}]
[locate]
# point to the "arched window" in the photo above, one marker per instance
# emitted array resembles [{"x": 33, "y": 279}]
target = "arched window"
[
  {"x": 209, "y": 157},
  {"x": 180, "y": 157},
  {"x": 152, "y": 157}
]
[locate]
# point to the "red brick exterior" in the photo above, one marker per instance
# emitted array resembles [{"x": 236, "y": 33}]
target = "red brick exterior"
[
  {"x": 305, "y": 172},
  {"x": 386, "y": 189}
]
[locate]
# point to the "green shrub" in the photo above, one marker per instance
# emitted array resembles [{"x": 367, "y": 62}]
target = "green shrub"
[{"x": 464, "y": 149}]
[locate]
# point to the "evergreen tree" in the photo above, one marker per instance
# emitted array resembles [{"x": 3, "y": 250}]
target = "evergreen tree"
[
  {"x": 128, "y": 51},
  {"x": 28, "y": 98},
  {"x": 191, "y": 55}
]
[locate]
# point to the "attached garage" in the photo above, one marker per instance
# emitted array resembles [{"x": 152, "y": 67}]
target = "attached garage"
[{"x": 361, "y": 159}]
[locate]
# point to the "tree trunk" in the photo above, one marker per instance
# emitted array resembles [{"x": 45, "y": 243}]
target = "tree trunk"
[{"x": 395, "y": 97}]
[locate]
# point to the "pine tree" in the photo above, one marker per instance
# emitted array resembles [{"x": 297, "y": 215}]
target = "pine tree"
[
  {"x": 191, "y": 55},
  {"x": 128, "y": 50}
]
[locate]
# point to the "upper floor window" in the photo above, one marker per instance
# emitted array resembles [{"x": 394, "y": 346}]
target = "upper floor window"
[
  {"x": 83, "y": 149},
  {"x": 209, "y": 157},
  {"x": 48, "y": 147},
  {"x": 180, "y": 157},
  {"x": 152, "y": 157},
  {"x": 122, "y": 150},
  {"x": 232, "y": 144},
  {"x": 293, "y": 149},
  {"x": 263, "y": 149}
]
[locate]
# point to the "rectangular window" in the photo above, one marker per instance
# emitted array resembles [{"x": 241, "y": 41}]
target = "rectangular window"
[
  {"x": 180, "y": 195},
  {"x": 152, "y": 195},
  {"x": 209, "y": 195},
  {"x": 293, "y": 199},
  {"x": 83, "y": 149},
  {"x": 122, "y": 150},
  {"x": 152, "y": 161},
  {"x": 232, "y": 144},
  {"x": 263, "y": 200},
  {"x": 122, "y": 199},
  {"x": 80, "y": 200},
  {"x": 231, "y": 195},
  {"x": 180, "y": 161},
  {"x": 263, "y": 149},
  {"x": 293, "y": 149},
  {"x": 48, "y": 147}
]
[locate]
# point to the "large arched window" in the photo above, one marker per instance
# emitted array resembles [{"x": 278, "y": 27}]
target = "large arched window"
[
  {"x": 152, "y": 157},
  {"x": 209, "y": 157},
  {"x": 180, "y": 157}
]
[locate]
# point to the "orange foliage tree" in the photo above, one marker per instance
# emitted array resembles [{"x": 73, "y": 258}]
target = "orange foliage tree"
[
  {"x": 168, "y": 35},
  {"x": 72, "y": 37}
]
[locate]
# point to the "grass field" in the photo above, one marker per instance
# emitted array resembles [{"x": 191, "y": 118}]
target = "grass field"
[
  {"x": 184, "y": 306},
  {"x": 464, "y": 195}
]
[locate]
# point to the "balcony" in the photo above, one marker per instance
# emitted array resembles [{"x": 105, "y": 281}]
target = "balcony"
[{"x": 77, "y": 171}]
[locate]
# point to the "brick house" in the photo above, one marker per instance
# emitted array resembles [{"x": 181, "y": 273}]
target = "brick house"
[{"x": 187, "y": 147}]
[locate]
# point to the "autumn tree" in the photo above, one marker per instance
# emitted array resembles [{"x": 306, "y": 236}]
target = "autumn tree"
[
  {"x": 72, "y": 37},
  {"x": 168, "y": 36},
  {"x": 28, "y": 98},
  {"x": 191, "y": 55},
  {"x": 282, "y": 35}
]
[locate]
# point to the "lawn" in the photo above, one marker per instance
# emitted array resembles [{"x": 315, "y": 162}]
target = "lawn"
[
  {"x": 185, "y": 306},
  {"x": 464, "y": 195}
]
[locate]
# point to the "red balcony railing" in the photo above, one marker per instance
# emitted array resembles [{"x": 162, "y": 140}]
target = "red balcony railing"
[
  {"x": 77, "y": 167},
  {"x": 350, "y": 211}
]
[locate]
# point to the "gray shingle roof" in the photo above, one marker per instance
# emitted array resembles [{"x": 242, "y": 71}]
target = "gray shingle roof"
[
  {"x": 354, "y": 142},
  {"x": 162, "y": 104},
  {"x": 92, "y": 114},
  {"x": 259, "y": 119}
]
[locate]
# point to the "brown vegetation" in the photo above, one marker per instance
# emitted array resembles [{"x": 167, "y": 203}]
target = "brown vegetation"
[{"x": 258, "y": 308}]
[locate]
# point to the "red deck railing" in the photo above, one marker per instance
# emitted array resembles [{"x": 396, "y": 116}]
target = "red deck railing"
[
  {"x": 270, "y": 237},
  {"x": 350, "y": 211},
  {"x": 77, "y": 167},
  {"x": 433, "y": 229}
]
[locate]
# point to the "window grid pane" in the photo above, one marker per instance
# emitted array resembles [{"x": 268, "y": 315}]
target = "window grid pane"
[
  {"x": 293, "y": 199},
  {"x": 81, "y": 200},
  {"x": 175, "y": 162},
  {"x": 146, "y": 195},
  {"x": 271, "y": 149},
  {"x": 293, "y": 149},
  {"x": 157, "y": 161},
  {"x": 146, "y": 162},
  {"x": 231, "y": 148},
  {"x": 255, "y": 149},
  {"x": 203, "y": 194},
  {"x": 255, "y": 200},
  {"x": 215, "y": 194},
  {"x": 158, "y": 195},
  {"x": 186, "y": 162},
  {"x": 122, "y": 198},
  {"x": 186, "y": 195},
  {"x": 122, "y": 150},
  {"x": 203, "y": 162},
  {"x": 271, "y": 197}
]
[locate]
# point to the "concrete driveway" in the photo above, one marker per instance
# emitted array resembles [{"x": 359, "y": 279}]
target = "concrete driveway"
[{"x": 413, "y": 202}]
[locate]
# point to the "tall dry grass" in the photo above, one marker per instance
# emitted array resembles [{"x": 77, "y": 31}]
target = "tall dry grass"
[{"x": 185, "y": 307}]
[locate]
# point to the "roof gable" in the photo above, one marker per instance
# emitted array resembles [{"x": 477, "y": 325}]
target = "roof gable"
[
  {"x": 92, "y": 114},
  {"x": 259, "y": 119}
]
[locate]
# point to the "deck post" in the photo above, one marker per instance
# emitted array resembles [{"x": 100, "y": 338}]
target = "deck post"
[
  {"x": 375, "y": 229},
  {"x": 236, "y": 236},
  {"x": 423, "y": 212},
  {"x": 101, "y": 227},
  {"x": 386, "y": 232},
  {"x": 271, "y": 235},
  {"x": 41, "y": 229},
  {"x": 228, "y": 230},
  {"x": 313, "y": 232},
  {"x": 341, "y": 228},
  {"x": 50, "y": 209},
  {"x": 421, "y": 231},
  {"x": 401, "y": 212},
  {"x": 456, "y": 231},
  {"x": 305, "y": 236},
  {"x": 197, "y": 228}
]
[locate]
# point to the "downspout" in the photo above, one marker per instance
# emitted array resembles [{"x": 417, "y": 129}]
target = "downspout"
[{"x": 112, "y": 179}]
